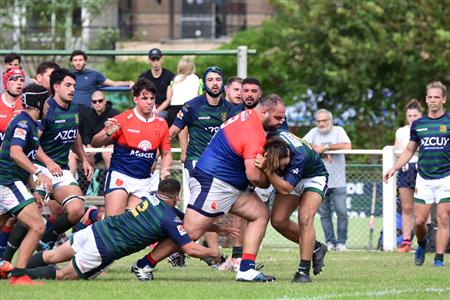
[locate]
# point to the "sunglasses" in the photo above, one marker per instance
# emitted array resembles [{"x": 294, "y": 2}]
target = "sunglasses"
[
  {"x": 98, "y": 101},
  {"x": 155, "y": 58}
]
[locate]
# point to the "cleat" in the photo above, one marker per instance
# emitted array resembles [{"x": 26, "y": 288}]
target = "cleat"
[
  {"x": 177, "y": 259},
  {"x": 216, "y": 265},
  {"x": 404, "y": 248},
  {"x": 5, "y": 268},
  {"x": 23, "y": 280},
  {"x": 45, "y": 246},
  {"x": 420, "y": 256},
  {"x": 301, "y": 277},
  {"x": 438, "y": 263},
  {"x": 341, "y": 247},
  {"x": 252, "y": 275},
  {"x": 318, "y": 258},
  {"x": 230, "y": 264},
  {"x": 143, "y": 274},
  {"x": 331, "y": 247}
]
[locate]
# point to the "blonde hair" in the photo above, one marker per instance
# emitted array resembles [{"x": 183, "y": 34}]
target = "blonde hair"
[
  {"x": 438, "y": 85},
  {"x": 275, "y": 150},
  {"x": 185, "y": 67}
]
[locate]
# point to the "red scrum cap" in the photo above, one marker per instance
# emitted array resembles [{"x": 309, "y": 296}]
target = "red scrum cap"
[{"x": 12, "y": 72}]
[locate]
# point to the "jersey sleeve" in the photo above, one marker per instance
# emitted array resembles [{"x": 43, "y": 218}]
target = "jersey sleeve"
[
  {"x": 20, "y": 133},
  {"x": 184, "y": 116},
  {"x": 165, "y": 143},
  {"x": 174, "y": 229}
]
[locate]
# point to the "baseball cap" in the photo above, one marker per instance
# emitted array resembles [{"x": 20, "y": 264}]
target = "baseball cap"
[{"x": 155, "y": 52}]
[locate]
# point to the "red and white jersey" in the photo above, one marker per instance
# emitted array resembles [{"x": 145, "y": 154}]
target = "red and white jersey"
[
  {"x": 7, "y": 113},
  {"x": 137, "y": 142}
]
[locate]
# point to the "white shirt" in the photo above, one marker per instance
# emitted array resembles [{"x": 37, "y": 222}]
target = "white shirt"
[
  {"x": 185, "y": 90},
  {"x": 402, "y": 136}
]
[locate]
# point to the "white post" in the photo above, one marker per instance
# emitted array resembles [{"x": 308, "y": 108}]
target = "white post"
[
  {"x": 242, "y": 61},
  {"x": 389, "y": 202},
  {"x": 85, "y": 27}
]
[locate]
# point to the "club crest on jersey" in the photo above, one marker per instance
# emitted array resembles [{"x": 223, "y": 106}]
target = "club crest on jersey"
[
  {"x": 20, "y": 133},
  {"x": 214, "y": 205},
  {"x": 443, "y": 128},
  {"x": 119, "y": 182},
  {"x": 180, "y": 115},
  {"x": 223, "y": 115},
  {"x": 77, "y": 119},
  {"x": 145, "y": 145}
]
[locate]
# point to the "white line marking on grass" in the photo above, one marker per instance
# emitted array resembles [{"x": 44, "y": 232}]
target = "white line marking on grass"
[{"x": 379, "y": 293}]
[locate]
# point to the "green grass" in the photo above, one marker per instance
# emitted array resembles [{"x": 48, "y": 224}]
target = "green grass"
[{"x": 347, "y": 275}]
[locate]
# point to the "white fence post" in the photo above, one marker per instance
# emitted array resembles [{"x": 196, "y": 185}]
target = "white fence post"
[
  {"x": 389, "y": 202},
  {"x": 242, "y": 54}
]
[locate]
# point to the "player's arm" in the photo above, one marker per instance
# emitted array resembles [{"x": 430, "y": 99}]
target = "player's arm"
[
  {"x": 41, "y": 156},
  {"x": 255, "y": 175},
  {"x": 104, "y": 137},
  {"x": 109, "y": 82},
  {"x": 406, "y": 155},
  {"x": 173, "y": 132},
  {"x": 79, "y": 151},
  {"x": 197, "y": 250},
  {"x": 166, "y": 161}
]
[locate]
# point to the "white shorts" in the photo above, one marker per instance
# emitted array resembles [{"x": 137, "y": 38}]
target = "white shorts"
[
  {"x": 14, "y": 198},
  {"x": 88, "y": 261},
  {"x": 211, "y": 196},
  {"x": 429, "y": 191},
  {"x": 57, "y": 181},
  {"x": 118, "y": 181},
  {"x": 318, "y": 184},
  {"x": 264, "y": 194}
]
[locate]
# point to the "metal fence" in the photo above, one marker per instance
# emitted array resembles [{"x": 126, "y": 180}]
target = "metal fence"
[{"x": 364, "y": 185}]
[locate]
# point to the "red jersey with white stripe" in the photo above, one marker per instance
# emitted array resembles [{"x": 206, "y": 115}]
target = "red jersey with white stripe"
[
  {"x": 7, "y": 113},
  {"x": 241, "y": 137},
  {"x": 136, "y": 143}
]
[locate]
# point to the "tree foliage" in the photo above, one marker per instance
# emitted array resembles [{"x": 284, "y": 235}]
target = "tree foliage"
[{"x": 363, "y": 60}]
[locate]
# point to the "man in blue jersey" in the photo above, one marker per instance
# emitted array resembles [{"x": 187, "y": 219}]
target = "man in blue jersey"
[
  {"x": 58, "y": 136},
  {"x": 430, "y": 135},
  {"x": 96, "y": 247},
  {"x": 17, "y": 153}
]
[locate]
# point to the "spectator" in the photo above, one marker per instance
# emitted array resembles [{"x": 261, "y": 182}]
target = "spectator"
[
  {"x": 43, "y": 72},
  {"x": 326, "y": 137},
  {"x": 233, "y": 90},
  {"x": 407, "y": 175},
  {"x": 88, "y": 80},
  {"x": 160, "y": 77},
  {"x": 184, "y": 87},
  {"x": 12, "y": 59}
]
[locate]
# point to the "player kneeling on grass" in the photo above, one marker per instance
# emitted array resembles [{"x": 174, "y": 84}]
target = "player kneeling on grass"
[
  {"x": 96, "y": 247},
  {"x": 302, "y": 185}
]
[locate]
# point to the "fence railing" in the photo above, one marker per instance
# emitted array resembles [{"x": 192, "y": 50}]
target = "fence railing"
[{"x": 364, "y": 181}]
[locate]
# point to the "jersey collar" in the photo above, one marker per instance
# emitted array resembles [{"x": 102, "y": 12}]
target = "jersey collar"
[
  {"x": 140, "y": 117},
  {"x": 7, "y": 103}
]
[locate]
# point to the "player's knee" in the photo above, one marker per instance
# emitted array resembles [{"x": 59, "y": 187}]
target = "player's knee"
[
  {"x": 305, "y": 220},
  {"x": 420, "y": 221},
  {"x": 407, "y": 210},
  {"x": 75, "y": 209},
  {"x": 37, "y": 226},
  {"x": 278, "y": 223},
  {"x": 442, "y": 220}
]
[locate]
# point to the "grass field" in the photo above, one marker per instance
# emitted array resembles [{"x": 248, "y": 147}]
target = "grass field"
[{"x": 347, "y": 275}]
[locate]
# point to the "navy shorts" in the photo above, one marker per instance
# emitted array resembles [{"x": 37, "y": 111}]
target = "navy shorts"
[{"x": 406, "y": 177}]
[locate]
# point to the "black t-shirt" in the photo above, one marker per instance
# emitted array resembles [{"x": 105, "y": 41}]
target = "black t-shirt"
[{"x": 161, "y": 83}]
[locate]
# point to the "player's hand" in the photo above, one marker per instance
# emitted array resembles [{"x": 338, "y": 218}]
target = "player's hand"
[
  {"x": 111, "y": 125},
  {"x": 228, "y": 231},
  {"x": 54, "y": 169},
  {"x": 88, "y": 170},
  {"x": 39, "y": 200},
  {"x": 318, "y": 148},
  {"x": 388, "y": 175},
  {"x": 164, "y": 174},
  {"x": 260, "y": 161},
  {"x": 45, "y": 182}
]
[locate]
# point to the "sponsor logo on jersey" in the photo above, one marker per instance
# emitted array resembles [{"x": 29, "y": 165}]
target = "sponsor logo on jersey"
[
  {"x": 23, "y": 124},
  {"x": 295, "y": 171},
  {"x": 130, "y": 116},
  {"x": 204, "y": 118},
  {"x": 443, "y": 128},
  {"x": 60, "y": 121},
  {"x": 434, "y": 141},
  {"x": 32, "y": 155},
  {"x": 145, "y": 145},
  {"x": 181, "y": 229},
  {"x": 66, "y": 135},
  {"x": 20, "y": 133},
  {"x": 133, "y": 130},
  {"x": 422, "y": 129},
  {"x": 138, "y": 153}
]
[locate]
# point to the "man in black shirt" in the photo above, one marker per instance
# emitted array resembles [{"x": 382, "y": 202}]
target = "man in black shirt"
[{"x": 160, "y": 76}]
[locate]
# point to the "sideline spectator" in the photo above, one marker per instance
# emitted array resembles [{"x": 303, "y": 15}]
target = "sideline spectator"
[
  {"x": 233, "y": 90},
  {"x": 88, "y": 80},
  {"x": 43, "y": 72},
  {"x": 406, "y": 177},
  {"x": 161, "y": 77},
  {"x": 184, "y": 87},
  {"x": 12, "y": 59},
  {"x": 325, "y": 136}
]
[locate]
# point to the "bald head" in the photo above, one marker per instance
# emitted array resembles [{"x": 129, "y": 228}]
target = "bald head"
[{"x": 98, "y": 102}]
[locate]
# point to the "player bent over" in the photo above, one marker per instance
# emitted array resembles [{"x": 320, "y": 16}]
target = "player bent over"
[
  {"x": 93, "y": 249},
  {"x": 16, "y": 154},
  {"x": 302, "y": 186}
]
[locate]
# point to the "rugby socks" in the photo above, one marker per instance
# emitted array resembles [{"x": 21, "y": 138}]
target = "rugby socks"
[
  {"x": 16, "y": 237},
  {"x": 61, "y": 225},
  {"x": 50, "y": 222},
  {"x": 37, "y": 260},
  {"x": 236, "y": 252},
  {"x": 439, "y": 256},
  {"x": 146, "y": 261},
  {"x": 317, "y": 245},
  {"x": 423, "y": 243},
  {"x": 247, "y": 262},
  {"x": 46, "y": 272},
  {"x": 17, "y": 272},
  {"x": 304, "y": 266},
  {"x": 4, "y": 236}
]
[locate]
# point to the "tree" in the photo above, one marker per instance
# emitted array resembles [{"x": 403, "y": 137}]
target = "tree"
[{"x": 363, "y": 60}]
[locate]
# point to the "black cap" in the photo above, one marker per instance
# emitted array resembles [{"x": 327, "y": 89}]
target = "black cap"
[{"x": 155, "y": 52}]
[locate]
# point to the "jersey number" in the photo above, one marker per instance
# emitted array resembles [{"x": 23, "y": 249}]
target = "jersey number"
[{"x": 141, "y": 207}]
